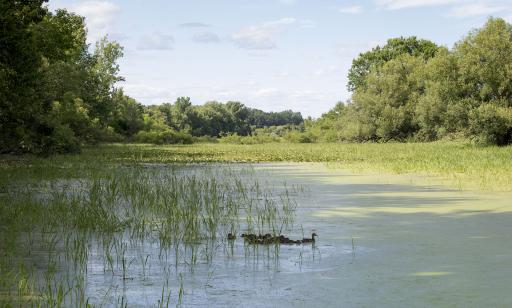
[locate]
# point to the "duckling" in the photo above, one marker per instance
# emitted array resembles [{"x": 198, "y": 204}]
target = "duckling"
[
  {"x": 232, "y": 237},
  {"x": 310, "y": 240}
]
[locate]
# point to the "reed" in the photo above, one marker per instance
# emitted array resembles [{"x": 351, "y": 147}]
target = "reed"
[{"x": 106, "y": 210}]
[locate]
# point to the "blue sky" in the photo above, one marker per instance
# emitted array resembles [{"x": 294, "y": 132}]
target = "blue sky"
[{"x": 268, "y": 54}]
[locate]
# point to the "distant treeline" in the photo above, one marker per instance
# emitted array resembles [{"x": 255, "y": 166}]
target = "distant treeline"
[
  {"x": 178, "y": 122},
  {"x": 55, "y": 94},
  {"x": 414, "y": 90}
]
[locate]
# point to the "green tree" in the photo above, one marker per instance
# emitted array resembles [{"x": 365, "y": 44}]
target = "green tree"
[
  {"x": 104, "y": 75},
  {"x": 378, "y": 56},
  {"x": 20, "y": 107},
  {"x": 128, "y": 115},
  {"x": 387, "y": 104}
]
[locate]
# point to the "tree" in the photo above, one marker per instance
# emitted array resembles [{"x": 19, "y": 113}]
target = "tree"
[
  {"x": 20, "y": 126},
  {"x": 388, "y": 101},
  {"x": 104, "y": 75},
  {"x": 378, "y": 56},
  {"x": 128, "y": 115},
  {"x": 485, "y": 62}
]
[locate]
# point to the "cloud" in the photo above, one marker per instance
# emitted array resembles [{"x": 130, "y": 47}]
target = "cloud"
[
  {"x": 352, "y": 9},
  {"x": 306, "y": 23},
  {"x": 148, "y": 94},
  {"x": 349, "y": 51},
  {"x": 266, "y": 93},
  {"x": 404, "y": 4},
  {"x": 262, "y": 36},
  {"x": 99, "y": 17},
  {"x": 206, "y": 37},
  {"x": 332, "y": 69},
  {"x": 308, "y": 96},
  {"x": 156, "y": 41},
  {"x": 194, "y": 25},
  {"x": 477, "y": 9}
]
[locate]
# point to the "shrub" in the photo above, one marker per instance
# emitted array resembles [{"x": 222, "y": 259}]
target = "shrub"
[
  {"x": 297, "y": 137},
  {"x": 62, "y": 140},
  {"x": 168, "y": 136},
  {"x": 205, "y": 139},
  {"x": 491, "y": 124},
  {"x": 256, "y": 139}
]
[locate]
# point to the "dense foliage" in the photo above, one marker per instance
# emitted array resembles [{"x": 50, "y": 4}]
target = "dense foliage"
[
  {"x": 57, "y": 93},
  {"x": 411, "y": 89},
  {"x": 54, "y": 93}
]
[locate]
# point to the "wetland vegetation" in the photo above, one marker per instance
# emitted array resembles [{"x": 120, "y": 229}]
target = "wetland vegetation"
[
  {"x": 461, "y": 164},
  {"x": 105, "y": 201},
  {"x": 123, "y": 221}
]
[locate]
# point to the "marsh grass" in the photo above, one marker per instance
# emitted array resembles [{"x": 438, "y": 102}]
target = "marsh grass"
[
  {"x": 50, "y": 227},
  {"x": 59, "y": 214},
  {"x": 459, "y": 164}
]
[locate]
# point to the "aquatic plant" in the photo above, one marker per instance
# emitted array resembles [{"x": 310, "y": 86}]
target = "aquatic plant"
[{"x": 108, "y": 211}]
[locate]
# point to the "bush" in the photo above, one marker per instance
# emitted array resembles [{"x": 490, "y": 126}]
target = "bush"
[
  {"x": 205, "y": 139},
  {"x": 106, "y": 134},
  {"x": 491, "y": 124},
  {"x": 62, "y": 140},
  {"x": 297, "y": 137},
  {"x": 256, "y": 139},
  {"x": 164, "y": 137}
]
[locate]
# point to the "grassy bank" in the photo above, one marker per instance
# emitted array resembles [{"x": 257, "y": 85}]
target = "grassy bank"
[{"x": 460, "y": 164}]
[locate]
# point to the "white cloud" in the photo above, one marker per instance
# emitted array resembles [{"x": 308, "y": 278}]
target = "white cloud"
[
  {"x": 194, "y": 25},
  {"x": 283, "y": 74},
  {"x": 206, "y": 37},
  {"x": 262, "y": 36},
  {"x": 403, "y": 4},
  {"x": 308, "y": 96},
  {"x": 351, "y": 9},
  {"x": 148, "y": 94},
  {"x": 332, "y": 69},
  {"x": 156, "y": 41},
  {"x": 351, "y": 51},
  {"x": 266, "y": 92},
  {"x": 99, "y": 17},
  {"x": 477, "y": 9}
]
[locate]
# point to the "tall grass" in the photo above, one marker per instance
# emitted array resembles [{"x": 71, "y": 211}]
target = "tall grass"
[
  {"x": 49, "y": 229},
  {"x": 461, "y": 164}
]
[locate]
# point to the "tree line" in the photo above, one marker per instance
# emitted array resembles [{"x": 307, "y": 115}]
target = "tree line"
[
  {"x": 56, "y": 94},
  {"x": 414, "y": 90}
]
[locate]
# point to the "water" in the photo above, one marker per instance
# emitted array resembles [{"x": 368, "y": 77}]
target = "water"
[{"x": 386, "y": 241}]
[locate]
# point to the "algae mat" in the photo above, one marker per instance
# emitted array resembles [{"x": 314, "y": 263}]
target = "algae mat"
[{"x": 387, "y": 242}]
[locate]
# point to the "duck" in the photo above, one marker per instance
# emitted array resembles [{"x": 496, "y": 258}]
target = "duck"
[
  {"x": 232, "y": 237},
  {"x": 309, "y": 240},
  {"x": 267, "y": 239}
]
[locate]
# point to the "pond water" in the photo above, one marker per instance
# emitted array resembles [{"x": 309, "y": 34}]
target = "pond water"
[{"x": 384, "y": 241}]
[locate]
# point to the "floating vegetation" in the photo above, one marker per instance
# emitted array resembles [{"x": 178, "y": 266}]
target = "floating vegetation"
[
  {"x": 460, "y": 164},
  {"x": 122, "y": 221}
]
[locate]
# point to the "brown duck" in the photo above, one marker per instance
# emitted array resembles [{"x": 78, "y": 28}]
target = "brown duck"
[{"x": 309, "y": 240}]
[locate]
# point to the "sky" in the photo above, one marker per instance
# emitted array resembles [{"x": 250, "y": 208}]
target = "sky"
[{"x": 268, "y": 54}]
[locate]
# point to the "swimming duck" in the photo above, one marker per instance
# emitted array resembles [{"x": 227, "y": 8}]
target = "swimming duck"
[
  {"x": 309, "y": 240},
  {"x": 232, "y": 237}
]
